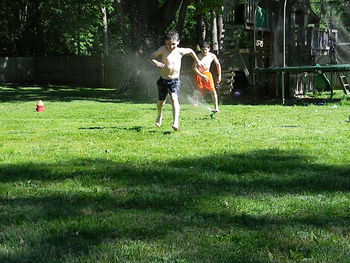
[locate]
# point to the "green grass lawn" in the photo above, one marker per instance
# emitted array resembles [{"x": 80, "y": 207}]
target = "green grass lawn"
[{"x": 92, "y": 179}]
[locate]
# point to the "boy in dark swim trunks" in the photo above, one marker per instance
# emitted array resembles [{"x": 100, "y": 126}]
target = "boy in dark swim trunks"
[{"x": 169, "y": 83}]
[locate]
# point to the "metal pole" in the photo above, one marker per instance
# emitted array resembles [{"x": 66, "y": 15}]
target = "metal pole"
[
  {"x": 254, "y": 48},
  {"x": 254, "y": 35},
  {"x": 284, "y": 49},
  {"x": 284, "y": 32}
]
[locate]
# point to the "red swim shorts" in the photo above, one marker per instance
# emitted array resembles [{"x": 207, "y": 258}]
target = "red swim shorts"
[{"x": 203, "y": 84}]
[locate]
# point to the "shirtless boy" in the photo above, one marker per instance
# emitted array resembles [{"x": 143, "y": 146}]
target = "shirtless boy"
[
  {"x": 204, "y": 78},
  {"x": 169, "y": 83}
]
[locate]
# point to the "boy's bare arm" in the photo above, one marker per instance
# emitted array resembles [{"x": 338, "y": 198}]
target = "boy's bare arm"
[
  {"x": 218, "y": 68},
  {"x": 189, "y": 51},
  {"x": 156, "y": 54},
  {"x": 195, "y": 69}
]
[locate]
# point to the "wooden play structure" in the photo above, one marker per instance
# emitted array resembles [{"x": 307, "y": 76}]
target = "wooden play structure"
[{"x": 271, "y": 49}]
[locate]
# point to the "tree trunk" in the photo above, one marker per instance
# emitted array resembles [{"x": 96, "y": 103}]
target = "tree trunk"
[
  {"x": 169, "y": 11},
  {"x": 105, "y": 31},
  {"x": 182, "y": 16},
  {"x": 201, "y": 30},
  {"x": 220, "y": 24},
  {"x": 33, "y": 29},
  {"x": 148, "y": 21},
  {"x": 79, "y": 11},
  {"x": 214, "y": 32}
]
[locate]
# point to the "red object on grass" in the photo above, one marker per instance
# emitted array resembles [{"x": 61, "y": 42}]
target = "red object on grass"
[{"x": 40, "y": 107}]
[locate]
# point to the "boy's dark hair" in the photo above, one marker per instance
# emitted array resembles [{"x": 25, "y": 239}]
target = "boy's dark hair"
[
  {"x": 204, "y": 44},
  {"x": 172, "y": 35}
]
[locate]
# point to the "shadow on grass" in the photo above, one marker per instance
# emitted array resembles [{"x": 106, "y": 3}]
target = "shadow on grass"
[
  {"x": 134, "y": 128},
  {"x": 18, "y": 93},
  {"x": 78, "y": 205}
]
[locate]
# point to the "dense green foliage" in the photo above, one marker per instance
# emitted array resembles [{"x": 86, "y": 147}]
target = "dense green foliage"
[
  {"x": 66, "y": 27},
  {"x": 92, "y": 179},
  {"x": 328, "y": 10},
  {"x": 73, "y": 27},
  {"x": 51, "y": 27}
]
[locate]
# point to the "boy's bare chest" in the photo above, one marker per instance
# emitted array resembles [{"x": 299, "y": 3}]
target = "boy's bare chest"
[
  {"x": 172, "y": 57},
  {"x": 206, "y": 60}
]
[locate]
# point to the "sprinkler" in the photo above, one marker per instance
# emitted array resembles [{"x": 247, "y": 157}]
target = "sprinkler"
[{"x": 213, "y": 112}]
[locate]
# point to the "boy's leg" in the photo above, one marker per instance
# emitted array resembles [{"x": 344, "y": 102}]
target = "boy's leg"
[
  {"x": 214, "y": 96},
  {"x": 160, "y": 106},
  {"x": 199, "y": 92},
  {"x": 196, "y": 95},
  {"x": 176, "y": 110}
]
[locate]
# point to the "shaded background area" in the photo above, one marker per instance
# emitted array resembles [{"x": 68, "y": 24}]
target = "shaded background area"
[
  {"x": 23, "y": 93},
  {"x": 120, "y": 72}
]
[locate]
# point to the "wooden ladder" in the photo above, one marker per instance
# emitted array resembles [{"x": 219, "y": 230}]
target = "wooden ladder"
[{"x": 345, "y": 83}]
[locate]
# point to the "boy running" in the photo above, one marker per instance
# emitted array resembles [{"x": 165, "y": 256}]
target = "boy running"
[
  {"x": 169, "y": 83},
  {"x": 204, "y": 78}
]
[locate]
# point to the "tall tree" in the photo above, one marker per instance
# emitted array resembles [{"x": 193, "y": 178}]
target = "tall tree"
[
  {"x": 34, "y": 27},
  {"x": 182, "y": 16},
  {"x": 21, "y": 30},
  {"x": 214, "y": 32},
  {"x": 207, "y": 22},
  {"x": 149, "y": 19},
  {"x": 220, "y": 25},
  {"x": 105, "y": 30}
]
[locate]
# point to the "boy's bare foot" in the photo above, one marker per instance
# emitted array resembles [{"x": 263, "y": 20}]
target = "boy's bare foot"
[
  {"x": 158, "y": 122},
  {"x": 175, "y": 127}
]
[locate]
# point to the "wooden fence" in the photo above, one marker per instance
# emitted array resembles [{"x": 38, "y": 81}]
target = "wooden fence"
[{"x": 94, "y": 71}]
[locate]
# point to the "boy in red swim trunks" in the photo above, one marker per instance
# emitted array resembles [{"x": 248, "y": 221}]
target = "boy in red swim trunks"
[{"x": 204, "y": 78}]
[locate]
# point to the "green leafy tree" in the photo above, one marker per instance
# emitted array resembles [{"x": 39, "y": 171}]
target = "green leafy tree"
[
  {"x": 20, "y": 27},
  {"x": 74, "y": 27}
]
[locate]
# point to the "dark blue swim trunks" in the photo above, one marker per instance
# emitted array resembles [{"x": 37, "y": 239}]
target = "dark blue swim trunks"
[{"x": 167, "y": 86}]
